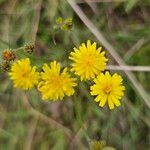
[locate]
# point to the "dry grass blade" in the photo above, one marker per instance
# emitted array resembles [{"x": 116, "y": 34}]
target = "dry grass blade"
[
  {"x": 111, "y": 50},
  {"x": 129, "y": 68},
  {"x": 36, "y": 21},
  {"x": 99, "y": 1},
  {"x": 76, "y": 138},
  {"x": 45, "y": 118},
  {"x": 52, "y": 122},
  {"x": 30, "y": 136},
  {"x": 134, "y": 110},
  {"x": 134, "y": 48}
]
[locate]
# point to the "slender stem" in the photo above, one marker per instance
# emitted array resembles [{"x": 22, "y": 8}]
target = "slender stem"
[{"x": 20, "y": 48}]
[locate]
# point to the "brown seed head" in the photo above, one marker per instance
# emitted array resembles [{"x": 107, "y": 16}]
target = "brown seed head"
[
  {"x": 9, "y": 55},
  {"x": 29, "y": 48},
  {"x": 6, "y": 66}
]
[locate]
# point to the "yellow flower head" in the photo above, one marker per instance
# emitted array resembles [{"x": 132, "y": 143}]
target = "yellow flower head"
[
  {"x": 23, "y": 75},
  {"x": 88, "y": 61},
  {"x": 108, "y": 88},
  {"x": 97, "y": 145},
  {"x": 55, "y": 84}
]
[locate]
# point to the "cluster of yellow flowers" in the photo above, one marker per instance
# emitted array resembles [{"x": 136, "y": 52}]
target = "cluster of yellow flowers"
[{"x": 88, "y": 62}]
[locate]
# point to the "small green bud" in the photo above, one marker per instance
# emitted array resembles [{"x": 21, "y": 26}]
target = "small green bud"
[
  {"x": 55, "y": 27},
  {"x": 59, "y": 20},
  {"x": 68, "y": 23}
]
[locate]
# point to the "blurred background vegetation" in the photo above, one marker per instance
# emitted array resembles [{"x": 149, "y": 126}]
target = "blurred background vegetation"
[{"x": 27, "y": 122}]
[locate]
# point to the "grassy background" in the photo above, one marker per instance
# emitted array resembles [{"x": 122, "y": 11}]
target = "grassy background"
[{"x": 27, "y": 122}]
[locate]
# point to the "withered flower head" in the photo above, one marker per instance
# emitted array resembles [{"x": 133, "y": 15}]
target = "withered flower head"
[
  {"x": 9, "y": 55},
  {"x": 29, "y": 48},
  {"x": 5, "y": 66}
]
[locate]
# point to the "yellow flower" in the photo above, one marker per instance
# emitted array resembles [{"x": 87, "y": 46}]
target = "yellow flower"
[
  {"x": 108, "y": 88},
  {"x": 23, "y": 75},
  {"x": 97, "y": 145},
  {"x": 55, "y": 84},
  {"x": 88, "y": 61}
]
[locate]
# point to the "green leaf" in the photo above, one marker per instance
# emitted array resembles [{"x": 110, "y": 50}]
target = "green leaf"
[{"x": 130, "y": 4}]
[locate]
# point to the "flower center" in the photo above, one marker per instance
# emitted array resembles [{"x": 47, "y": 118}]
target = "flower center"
[
  {"x": 89, "y": 62},
  {"x": 56, "y": 82},
  {"x": 107, "y": 89},
  {"x": 24, "y": 74}
]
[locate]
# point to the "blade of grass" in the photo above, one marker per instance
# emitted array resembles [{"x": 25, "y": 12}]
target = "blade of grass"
[
  {"x": 129, "y": 68},
  {"x": 36, "y": 21},
  {"x": 45, "y": 118},
  {"x": 134, "y": 48},
  {"x": 30, "y": 136},
  {"x": 98, "y": 1}
]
